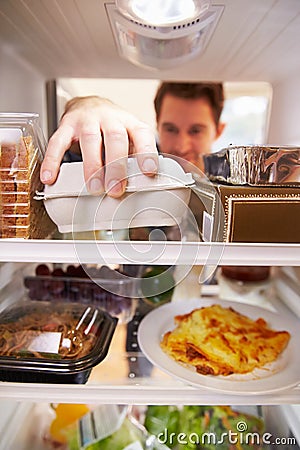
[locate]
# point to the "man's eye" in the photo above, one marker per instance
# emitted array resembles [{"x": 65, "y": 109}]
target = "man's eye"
[
  {"x": 171, "y": 130},
  {"x": 195, "y": 131}
]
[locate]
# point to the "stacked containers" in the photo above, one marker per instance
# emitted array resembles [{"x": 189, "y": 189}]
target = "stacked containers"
[{"x": 21, "y": 152}]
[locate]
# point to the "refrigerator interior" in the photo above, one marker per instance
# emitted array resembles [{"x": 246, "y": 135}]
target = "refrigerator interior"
[
  {"x": 35, "y": 48},
  {"x": 129, "y": 378}
]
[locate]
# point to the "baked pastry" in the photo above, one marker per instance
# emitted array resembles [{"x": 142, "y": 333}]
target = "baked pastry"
[
  {"x": 221, "y": 341},
  {"x": 20, "y": 215}
]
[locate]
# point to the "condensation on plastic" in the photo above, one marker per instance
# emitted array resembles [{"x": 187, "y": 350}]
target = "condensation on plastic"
[{"x": 113, "y": 295}]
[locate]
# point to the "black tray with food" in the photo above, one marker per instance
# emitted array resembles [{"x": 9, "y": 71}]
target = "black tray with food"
[{"x": 59, "y": 342}]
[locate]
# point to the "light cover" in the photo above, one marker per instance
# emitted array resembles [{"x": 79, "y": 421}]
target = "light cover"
[
  {"x": 162, "y": 12},
  {"x": 164, "y": 45}
]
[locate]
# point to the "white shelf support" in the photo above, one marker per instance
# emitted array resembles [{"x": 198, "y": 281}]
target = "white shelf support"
[
  {"x": 155, "y": 252},
  {"x": 139, "y": 394}
]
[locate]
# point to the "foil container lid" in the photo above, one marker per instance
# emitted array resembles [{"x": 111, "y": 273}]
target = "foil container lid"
[{"x": 254, "y": 165}]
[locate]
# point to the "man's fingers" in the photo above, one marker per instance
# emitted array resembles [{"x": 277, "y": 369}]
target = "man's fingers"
[
  {"x": 86, "y": 121},
  {"x": 116, "y": 138},
  {"x": 144, "y": 147},
  {"x": 59, "y": 142},
  {"x": 116, "y": 153},
  {"x": 91, "y": 144}
]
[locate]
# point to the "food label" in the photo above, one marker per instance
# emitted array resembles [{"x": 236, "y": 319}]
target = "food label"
[
  {"x": 10, "y": 135},
  {"x": 47, "y": 342}
]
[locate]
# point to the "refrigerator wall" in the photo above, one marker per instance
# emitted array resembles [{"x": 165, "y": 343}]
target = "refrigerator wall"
[{"x": 22, "y": 86}]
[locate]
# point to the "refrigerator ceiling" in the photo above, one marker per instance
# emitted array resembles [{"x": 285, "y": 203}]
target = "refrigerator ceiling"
[{"x": 253, "y": 41}]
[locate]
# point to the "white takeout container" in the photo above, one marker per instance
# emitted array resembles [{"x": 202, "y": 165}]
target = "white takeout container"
[{"x": 148, "y": 201}]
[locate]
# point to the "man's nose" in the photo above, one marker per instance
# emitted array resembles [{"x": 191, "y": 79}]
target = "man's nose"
[{"x": 183, "y": 143}]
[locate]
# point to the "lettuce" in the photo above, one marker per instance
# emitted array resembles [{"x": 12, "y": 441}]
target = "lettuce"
[
  {"x": 125, "y": 435},
  {"x": 160, "y": 418},
  {"x": 202, "y": 427}
]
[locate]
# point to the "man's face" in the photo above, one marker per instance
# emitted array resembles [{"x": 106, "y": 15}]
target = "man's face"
[{"x": 186, "y": 128}]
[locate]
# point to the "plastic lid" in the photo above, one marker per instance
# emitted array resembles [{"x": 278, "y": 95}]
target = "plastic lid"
[
  {"x": 246, "y": 273},
  {"x": 59, "y": 337},
  {"x": 104, "y": 288}
]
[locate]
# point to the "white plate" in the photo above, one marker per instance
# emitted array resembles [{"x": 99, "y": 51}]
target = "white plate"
[{"x": 284, "y": 373}]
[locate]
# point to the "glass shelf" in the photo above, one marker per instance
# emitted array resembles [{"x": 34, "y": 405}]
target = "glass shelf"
[
  {"x": 154, "y": 252},
  {"x": 157, "y": 389}
]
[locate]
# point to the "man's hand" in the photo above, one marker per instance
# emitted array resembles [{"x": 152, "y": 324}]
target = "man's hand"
[{"x": 94, "y": 122}]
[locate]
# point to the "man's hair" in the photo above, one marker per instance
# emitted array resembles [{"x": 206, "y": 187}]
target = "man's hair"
[{"x": 212, "y": 92}]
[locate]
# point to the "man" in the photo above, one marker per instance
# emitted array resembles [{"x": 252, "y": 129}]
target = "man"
[
  {"x": 188, "y": 122},
  {"x": 188, "y": 119}
]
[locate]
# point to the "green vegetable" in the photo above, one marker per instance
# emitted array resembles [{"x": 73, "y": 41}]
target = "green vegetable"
[
  {"x": 157, "y": 285},
  {"x": 160, "y": 418},
  {"x": 25, "y": 353},
  {"x": 125, "y": 435},
  {"x": 192, "y": 421},
  {"x": 208, "y": 425}
]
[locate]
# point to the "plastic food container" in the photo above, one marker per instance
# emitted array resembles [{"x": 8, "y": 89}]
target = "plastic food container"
[
  {"x": 46, "y": 342},
  {"x": 254, "y": 165},
  {"x": 107, "y": 289},
  {"x": 22, "y": 147},
  {"x": 247, "y": 284},
  {"x": 148, "y": 201}
]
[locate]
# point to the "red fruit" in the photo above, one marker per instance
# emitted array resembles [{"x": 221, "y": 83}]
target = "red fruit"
[
  {"x": 42, "y": 270},
  {"x": 58, "y": 273}
]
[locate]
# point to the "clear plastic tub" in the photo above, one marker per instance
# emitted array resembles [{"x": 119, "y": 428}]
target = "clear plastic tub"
[
  {"x": 22, "y": 147},
  {"x": 45, "y": 342},
  {"x": 103, "y": 288}
]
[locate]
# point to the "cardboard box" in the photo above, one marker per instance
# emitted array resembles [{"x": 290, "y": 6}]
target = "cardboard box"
[{"x": 248, "y": 213}]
